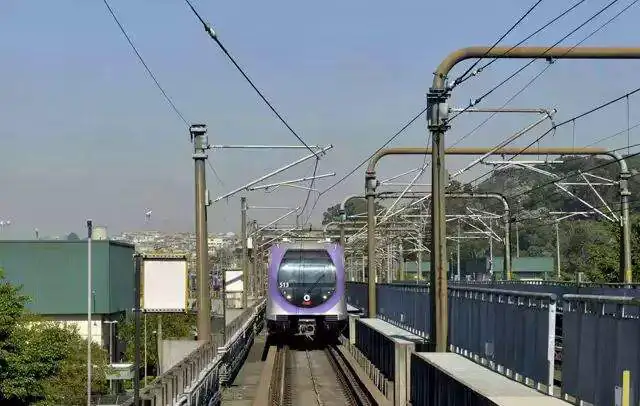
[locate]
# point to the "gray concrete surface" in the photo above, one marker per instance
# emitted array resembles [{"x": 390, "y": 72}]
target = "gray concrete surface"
[{"x": 243, "y": 390}]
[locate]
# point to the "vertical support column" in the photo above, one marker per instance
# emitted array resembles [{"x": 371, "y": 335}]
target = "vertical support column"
[
  {"x": 491, "y": 270},
  {"x": 370, "y": 189},
  {"x": 437, "y": 114},
  {"x": 517, "y": 240},
  {"x": 402, "y": 367},
  {"x": 557, "y": 227},
  {"x": 159, "y": 345},
  {"x": 506, "y": 265},
  {"x": 626, "y": 270},
  {"x": 419, "y": 257},
  {"x": 353, "y": 318},
  {"x": 243, "y": 236},
  {"x": 200, "y": 144},
  {"x": 89, "y": 309},
  {"x": 401, "y": 259},
  {"x": 458, "y": 251},
  {"x": 343, "y": 218},
  {"x": 137, "y": 265}
]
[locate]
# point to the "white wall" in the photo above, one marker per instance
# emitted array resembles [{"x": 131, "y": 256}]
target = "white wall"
[{"x": 99, "y": 330}]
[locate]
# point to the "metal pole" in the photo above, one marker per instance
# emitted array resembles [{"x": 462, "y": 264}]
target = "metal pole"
[
  {"x": 159, "y": 344},
  {"x": 243, "y": 236},
  {"x": 145, "y": 350},
  {"x": 437, "y": 115},
  {"x": 200, "y": 144},
  {"x": 89, "y": 310},
  {"x": 137, "y": 265},
  {"x": 343, "y": 217},
  {"x": 458, "y": 251},
  {"x": 371, "y": 247},
  {"x": 419, "y": 257},
  {"x": 506, "y": 265},
  {"x": 557, "y": 226},
  {"x": 626, "y": 269},
  {"x": 401, "y": 259},
  {"x": 491, "y": 249},
  {"x": 517, "y": 240}
]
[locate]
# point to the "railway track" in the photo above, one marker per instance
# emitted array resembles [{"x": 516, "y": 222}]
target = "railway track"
[{"x": 319, "y": 377}]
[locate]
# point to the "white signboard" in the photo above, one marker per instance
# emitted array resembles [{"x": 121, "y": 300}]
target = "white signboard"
[
  {"x": 164, "y": 285},
  {"x": 233, "y": 281}
]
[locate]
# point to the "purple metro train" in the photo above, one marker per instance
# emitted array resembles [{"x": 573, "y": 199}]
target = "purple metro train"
[{"x": 306, "y": 290}]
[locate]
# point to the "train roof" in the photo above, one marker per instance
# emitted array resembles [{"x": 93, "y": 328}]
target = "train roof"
[{"x": 305, "y": 245}]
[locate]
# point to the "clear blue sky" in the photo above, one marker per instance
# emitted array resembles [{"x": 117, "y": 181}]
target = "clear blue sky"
[{"x": 86, "y": 134}]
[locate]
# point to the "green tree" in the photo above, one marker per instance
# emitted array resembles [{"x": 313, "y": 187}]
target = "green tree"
[
  {"x": 174, "y": 326},
  {"x": 41, "y": 362},
  {"x": 72, "y": 237},
  {"x": 354, "y": 206}
]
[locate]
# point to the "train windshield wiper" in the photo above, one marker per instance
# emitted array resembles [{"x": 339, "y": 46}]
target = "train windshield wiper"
[{"x": 316, "y": 282}]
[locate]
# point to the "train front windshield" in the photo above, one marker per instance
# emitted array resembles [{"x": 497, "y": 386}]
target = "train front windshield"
[{"x": 307, "y": 278}]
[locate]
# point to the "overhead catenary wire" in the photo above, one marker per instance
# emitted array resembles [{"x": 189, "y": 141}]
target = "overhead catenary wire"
[
  {"x": 402, "y": 129},
  {"x": 215, "y": 173},
  {"x": 313, "y": 179},
  {"x": 470, "y": 68},
  {"x": 214, "y": 37},
  {"x": 567, "y": 176},
  {"x": 563, "y": 123},
  {"x": 149, "y": 72},
  {"x": 537, "y": 76},
  {"x": 514, "y": 74},
  {"x": 536, "y": 32},
  {"x": 571, "y": 120}
]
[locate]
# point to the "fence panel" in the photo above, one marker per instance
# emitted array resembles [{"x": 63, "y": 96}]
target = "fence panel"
[
  {"x": 513, "y": 331},
  {"x": 357, "y": 295},
  {"x": 601, "y": 336},
  {"x": 407, "y": 306}
]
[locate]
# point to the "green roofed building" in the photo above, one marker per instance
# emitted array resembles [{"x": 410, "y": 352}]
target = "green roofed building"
[{"x": 53, "y": 273}]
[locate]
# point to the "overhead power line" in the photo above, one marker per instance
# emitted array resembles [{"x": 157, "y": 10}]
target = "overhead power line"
[
  {"x": 214, "y": 37},
  {"x": 387, "y": 142},
  {"x": 462, "y": 77},
  {"x": 539, "y": 74},
  {"x": 547, "y": 24},
  {"x": 514, "y": 74},
  {"x": 563, "y": 123},
  {"x": 153, "y": 77}
]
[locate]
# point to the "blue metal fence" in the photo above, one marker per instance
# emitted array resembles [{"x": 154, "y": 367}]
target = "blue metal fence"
[
  {"x": 513, "y": 331},
  {"x": 357, "y": 295},
  {"x": 601, "y": 340},
  {"x": 406, "y": 306}
]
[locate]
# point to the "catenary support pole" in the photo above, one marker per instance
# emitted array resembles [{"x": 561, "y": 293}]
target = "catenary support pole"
[
  {"x": 137, "y": 267},
  {"x": 89, "y": 310},
  {"x": 200, "y": 144},
  {"x": 243, "y": 236},
  {"x": 458, "y": 251},
  {"x": 557, "y": 227}
]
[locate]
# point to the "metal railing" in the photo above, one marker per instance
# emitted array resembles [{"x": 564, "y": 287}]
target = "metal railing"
[
  {"x": 601, "y": 341},
  {"x": 196, "y": 380}
]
